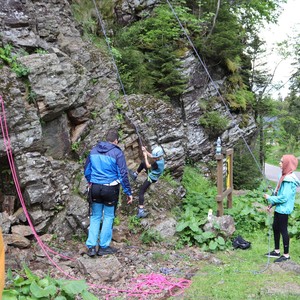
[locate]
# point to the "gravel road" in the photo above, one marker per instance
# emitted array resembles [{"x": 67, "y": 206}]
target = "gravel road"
[{"x": 272, "y": 173}]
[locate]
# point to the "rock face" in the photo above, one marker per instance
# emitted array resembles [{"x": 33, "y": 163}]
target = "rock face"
[{"x": 66, "y": 103}]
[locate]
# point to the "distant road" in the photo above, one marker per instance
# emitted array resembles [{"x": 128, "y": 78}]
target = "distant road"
[{"x": 272, "y": 173}]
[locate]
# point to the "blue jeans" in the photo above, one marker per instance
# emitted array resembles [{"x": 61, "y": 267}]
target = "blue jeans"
[{"x": 108, "y": 213}]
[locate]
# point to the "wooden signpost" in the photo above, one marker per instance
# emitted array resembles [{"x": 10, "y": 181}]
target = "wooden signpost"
[{"x": 224, "y": 188}]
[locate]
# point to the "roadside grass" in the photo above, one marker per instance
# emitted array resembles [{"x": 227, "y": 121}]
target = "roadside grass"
[{"x": 247, "y": 274}]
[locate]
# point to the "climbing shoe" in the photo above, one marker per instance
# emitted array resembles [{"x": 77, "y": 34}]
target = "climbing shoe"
[
  {"x": 281, "y": 259},
  {"x": 133, "y": 175},
  {"x": 273, "y": 254},
  {"x": 106, "y": 251},
  {"x": 91, "y": 251},
  {"x": 141, "y": 214}
]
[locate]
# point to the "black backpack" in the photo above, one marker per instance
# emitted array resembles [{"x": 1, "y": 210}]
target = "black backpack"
[{"x": 239, "y": 242}]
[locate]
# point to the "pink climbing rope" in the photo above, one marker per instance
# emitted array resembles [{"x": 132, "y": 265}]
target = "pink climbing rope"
[
  {"x": 140, "y": 287},
  {"x": 149, "y": 284}
]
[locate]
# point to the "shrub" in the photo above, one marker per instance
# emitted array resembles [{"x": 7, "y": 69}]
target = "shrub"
[
  {"x": 214, "y": 123},
  {"x": 200, "y": 197}
]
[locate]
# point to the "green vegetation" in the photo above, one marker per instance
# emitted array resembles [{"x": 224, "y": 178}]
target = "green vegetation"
[
  {"x": 282, "y": 135},
  {"x": 134, "y": 224},
  {"x": 246, "y": 172},
  {"x": 214, "y": 123},
  {"x": 11, "y": 60},
  {"x": 167, "y": 176},
  {"x": 199, "y": 199},
  {"x": 149, "y": 237},
  {"x": 246, "y": 274},
  {"x": 26, "y": 285},
  {"x": 41, "y": 51},
  {"x": 239, "y": 274},
  {"x": 150, "y": 50},
  {"x": 149, "y": 56},
  {"x": 248, "y": 213}
]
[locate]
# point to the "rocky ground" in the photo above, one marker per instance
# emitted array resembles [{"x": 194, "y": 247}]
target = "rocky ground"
[
  {"x": 136, "y": 271},
  {"x": 165, "y": 270}
]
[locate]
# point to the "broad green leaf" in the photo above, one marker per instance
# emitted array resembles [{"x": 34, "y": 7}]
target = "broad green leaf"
[
  {"x": 40, "y": 292},
  {"x": 73, "y": 287},
  {"x": 220, "y": 241},
  {"x": 195, "y": 227},
  {"x": 86, "y": 295},
  {"x": 208, "y": 235},
  {"x": 25, "y": 289},
  {"x": 204, "y": 247},
  {"x": 216, "y": 225},
  {"x": 181, "y": 225},
  {"x": 10, "y": 295},
  {"x": 29, "y": 274},
  {"x": 213, "y": 245},
  {"x": 22, "y": 282},
  {"x": 199, "y": 238},
  {"x": 44, "y": 282},
  {"x": 9, "y": 275},
  {"x": 202, "y": 221}
]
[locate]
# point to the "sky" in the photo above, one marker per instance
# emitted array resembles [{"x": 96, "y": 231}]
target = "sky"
[{"x": 288, "y": 25}]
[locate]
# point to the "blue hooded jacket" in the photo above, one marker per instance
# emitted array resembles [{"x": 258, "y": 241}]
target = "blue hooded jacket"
[
  {"x": 105, "y": 164},
  {"x": 285, "y": 199},
  {"x": 154, "y": 174}
]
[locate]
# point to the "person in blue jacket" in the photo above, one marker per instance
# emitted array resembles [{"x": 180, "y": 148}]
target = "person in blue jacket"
[
  {"x": 105, "y": 169},
  {"x": 283, "y": 200},
  {"x": 154, "y": 171}
]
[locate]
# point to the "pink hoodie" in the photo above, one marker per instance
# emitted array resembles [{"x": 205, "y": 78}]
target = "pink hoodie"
[{"x": 289, "y": 165}]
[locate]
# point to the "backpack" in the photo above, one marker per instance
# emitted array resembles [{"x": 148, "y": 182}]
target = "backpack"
[{"x": 239, "y": 242}]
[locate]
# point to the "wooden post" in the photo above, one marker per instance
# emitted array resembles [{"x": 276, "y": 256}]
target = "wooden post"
[
  {"x": 219, "y": 198},
  {"x": 229, "y": 154},
  {"x": 229, "y": 181}
]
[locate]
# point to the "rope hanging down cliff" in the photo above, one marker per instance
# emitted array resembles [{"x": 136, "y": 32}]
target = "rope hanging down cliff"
[
  {"x": 213, "y": 83},
  {"x": 117, "y": 70}
]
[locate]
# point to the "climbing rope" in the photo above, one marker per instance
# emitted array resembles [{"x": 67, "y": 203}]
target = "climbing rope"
[
  {"x": 141, "y": 287},
  {"x": 213, "y": 83},
  {"x": 107, "y": 40}
]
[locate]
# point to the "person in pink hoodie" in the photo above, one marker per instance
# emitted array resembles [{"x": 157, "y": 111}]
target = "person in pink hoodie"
[{"x": 283, "y": 199}]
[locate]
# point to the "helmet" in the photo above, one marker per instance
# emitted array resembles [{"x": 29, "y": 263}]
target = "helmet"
[{"x": 157, "y": 152}]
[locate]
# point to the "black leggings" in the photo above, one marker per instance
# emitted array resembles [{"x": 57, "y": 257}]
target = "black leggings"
[
  {"x": 280, "y": 226},
  {"x": 145, "y": 185}
]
